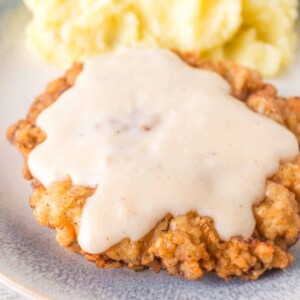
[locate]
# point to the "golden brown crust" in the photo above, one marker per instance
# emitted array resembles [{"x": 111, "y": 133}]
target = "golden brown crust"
[
  {"x": 186, "y": 245},
  {"x": 243, "y": 81}
]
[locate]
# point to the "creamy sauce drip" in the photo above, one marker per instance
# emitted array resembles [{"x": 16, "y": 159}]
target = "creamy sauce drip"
[{"x": 156, "y": 136}]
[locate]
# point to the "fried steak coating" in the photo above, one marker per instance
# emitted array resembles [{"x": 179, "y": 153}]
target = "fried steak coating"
[{"x": 186, "y": 245}]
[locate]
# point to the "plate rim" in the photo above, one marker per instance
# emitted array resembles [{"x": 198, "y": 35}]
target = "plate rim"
[{"x": 21, "y": 288}]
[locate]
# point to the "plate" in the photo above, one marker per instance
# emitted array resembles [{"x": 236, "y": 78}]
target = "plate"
[{"x": 32, "y": 263}]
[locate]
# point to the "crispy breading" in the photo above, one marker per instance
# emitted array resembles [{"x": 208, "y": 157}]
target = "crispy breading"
[{"x": 186, "y": 245}]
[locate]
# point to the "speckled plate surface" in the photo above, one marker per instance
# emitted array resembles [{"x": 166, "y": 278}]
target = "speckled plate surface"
[{"x": 33, "y": 264}]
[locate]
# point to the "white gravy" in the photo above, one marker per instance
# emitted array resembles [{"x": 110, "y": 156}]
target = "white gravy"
[{"x": 156, "y": 136}]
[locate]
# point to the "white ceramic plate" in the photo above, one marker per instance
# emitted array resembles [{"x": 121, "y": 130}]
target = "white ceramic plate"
[{"x": 30, "y": 260}]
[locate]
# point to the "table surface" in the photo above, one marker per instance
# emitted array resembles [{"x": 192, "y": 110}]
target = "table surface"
[{"x": 8, "y": 294}]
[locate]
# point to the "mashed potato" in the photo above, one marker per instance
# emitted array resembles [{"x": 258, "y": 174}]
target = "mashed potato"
[{"x": 256, "y": 33}]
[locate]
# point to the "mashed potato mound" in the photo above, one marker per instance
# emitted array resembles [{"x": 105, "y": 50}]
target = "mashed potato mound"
[{"x": 256, "y": 33}]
